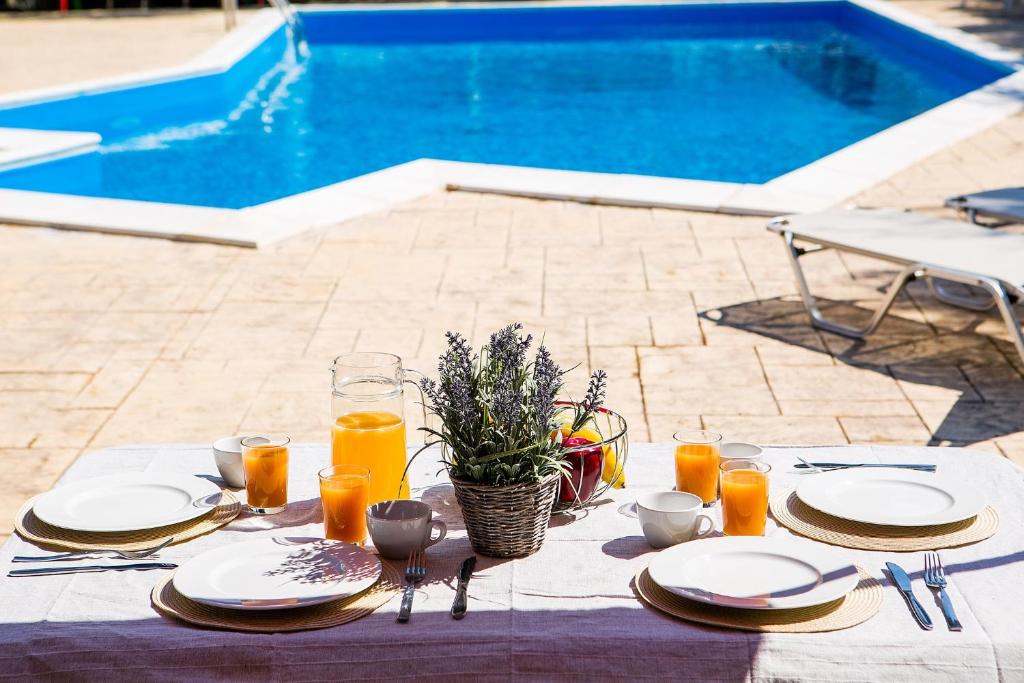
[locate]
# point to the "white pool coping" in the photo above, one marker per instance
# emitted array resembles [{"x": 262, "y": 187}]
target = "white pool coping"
[{"x": 818, "y": 185}]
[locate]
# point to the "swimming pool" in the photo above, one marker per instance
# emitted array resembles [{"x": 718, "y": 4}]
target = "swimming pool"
[{"x": 738, "y": 94}]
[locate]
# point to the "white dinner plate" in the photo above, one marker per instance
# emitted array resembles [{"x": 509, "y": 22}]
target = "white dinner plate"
[
  {"x": 892, "y": 497},
  {"x": 754, "y": 572},
  {"x": 127, "y": 502},
  {"x": 277, "y": 573}
]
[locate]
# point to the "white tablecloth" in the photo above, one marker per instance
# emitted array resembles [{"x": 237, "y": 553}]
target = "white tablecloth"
[{"x": 566, "y": 613}]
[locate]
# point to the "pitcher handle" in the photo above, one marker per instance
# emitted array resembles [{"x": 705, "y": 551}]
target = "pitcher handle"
[{"x": 423, "y": 398}]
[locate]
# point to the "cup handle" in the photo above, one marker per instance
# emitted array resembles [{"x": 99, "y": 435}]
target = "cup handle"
[
  {"x": 700, "y": 520},
  {"x": 440, "y": 526}
]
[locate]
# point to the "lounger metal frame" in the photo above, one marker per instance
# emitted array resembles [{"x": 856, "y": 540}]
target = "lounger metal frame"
[{"x": 999, "y": 291}]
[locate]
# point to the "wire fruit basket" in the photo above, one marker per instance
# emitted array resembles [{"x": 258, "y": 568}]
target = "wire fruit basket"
[{"x": 595, "y": 457}]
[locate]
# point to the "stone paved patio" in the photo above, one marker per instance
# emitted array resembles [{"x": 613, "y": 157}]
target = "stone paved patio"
[{"x": 109, "y": 340}]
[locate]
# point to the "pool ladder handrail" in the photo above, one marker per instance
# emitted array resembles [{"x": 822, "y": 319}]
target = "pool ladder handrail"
[{"x": 292, "y": 20}]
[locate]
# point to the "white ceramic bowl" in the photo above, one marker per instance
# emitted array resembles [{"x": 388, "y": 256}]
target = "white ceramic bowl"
[
  {"x": 742, "y": 451},
  {"x": 227, "y": 453}
]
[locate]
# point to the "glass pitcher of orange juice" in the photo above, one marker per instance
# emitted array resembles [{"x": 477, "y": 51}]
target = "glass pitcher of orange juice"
[{"x": 368, "y": 420}]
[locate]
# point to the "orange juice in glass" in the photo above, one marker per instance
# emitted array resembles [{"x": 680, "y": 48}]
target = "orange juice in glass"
[
  {"x": 697, "y": 460},
  {"x": 265, "y": 462},
  {"x": 744, "y": 497},
  {"x": 344, "y": 492},
  {"x": 368, "y": 429}
]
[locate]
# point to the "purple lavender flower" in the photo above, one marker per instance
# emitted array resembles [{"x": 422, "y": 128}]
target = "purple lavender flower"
[
  {"x": 507, "y": 352},
  {"x": 547, "y": 378},
  {"x": 595, "y": 391}
]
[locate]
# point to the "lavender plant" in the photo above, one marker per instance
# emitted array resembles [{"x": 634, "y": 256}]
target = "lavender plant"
[{"x": 497, "y": 410}]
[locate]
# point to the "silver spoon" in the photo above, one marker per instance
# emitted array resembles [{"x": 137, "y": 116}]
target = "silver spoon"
[{"x": 81, "y": 555}]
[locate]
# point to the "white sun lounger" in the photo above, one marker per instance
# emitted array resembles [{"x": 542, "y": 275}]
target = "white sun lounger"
[
  {"x": 925, "y": 248},
  {"x": 1005, "y": 204}
]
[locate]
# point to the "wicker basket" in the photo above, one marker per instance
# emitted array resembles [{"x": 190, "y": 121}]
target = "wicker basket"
[{"x": 507, "y": 521}]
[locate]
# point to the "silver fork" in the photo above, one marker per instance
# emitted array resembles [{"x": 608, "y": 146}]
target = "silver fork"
[
  {"x": 935, "y": 578},
  {"x": 99, "y": 553},
  {"x": 415, "y": 571}
]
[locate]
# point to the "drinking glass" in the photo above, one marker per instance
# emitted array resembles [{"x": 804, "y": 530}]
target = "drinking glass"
[
  {"x": 265, "y": 461},
  {"x": 744, "y": 497},
  {"x": 697, "y": 461},
  {"x": 368, "y": 414},
  {"x": 344, "y": 493}
]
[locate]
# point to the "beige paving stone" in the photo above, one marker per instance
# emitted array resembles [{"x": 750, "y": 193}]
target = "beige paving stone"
[
  {"x": 933, "y": 382},
  {"x": 885, "y": 429},
  {"x": 960, "y": 421},
  {"x": 622, "y": 361},
  {"x": 722, "y": 295},
  {"x": 680, "y": 329},
  {"x": 303, "y": 416},
  {"x": 996, "y": 382},
  {"x": 328, "y": 343},
  {"x": 702, "y": 380},
  {"x": 791, "y": 354},
  {"x": 286, "y": 376},
  {"x": 563, "y": 301},
  {"x": 264, "y": 330},
  {"x": 663, "y": 426},
  {"x": 403, "y": 341},
  {"x": 179, "y": 402},
  {"x": 841, "y": 408},
  {"x": 657, "y": 233},
  {"x": 454, "y": 230},
  {"x": 70, "y": 428},
  {"x": 177, "y": 345},
  {"x": 25, "y": 473},
  {"x": 841, "y": 382},
  {"x": 781, "y": 430},
  {"x": 533, "y": 226},
  {"x": 34, "y": 350},
  {"x": 619, "y": 330},
  {"x": 109, "y": 387},
  {"x": 513, "y": 270},
  {"x": 557, "y": 332},
  {"x": 42, "y": 381},
  {"x": 670, "y": 269},
  {"x": 134, "y": 327},
  {"x": 264, "y": 287},
  {"x": 595, "y": 269},
  {"x": 1013, "y": 450},
  {"x": 717, "y": 249}
]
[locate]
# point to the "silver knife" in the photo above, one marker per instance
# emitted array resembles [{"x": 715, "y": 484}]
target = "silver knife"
[
  {"x": 847, "y": 465},
  {"x": 461, "y": 599},
  {"x": 48, "y": 571},
  {"x": 903, "y": 583}
]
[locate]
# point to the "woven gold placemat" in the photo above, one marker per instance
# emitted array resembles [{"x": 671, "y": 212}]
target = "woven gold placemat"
[
  {"x": 31, "y": 528},
  {"x": 791, "y": 513},
  {"x": 172, "y": 603},
  {"x": 860, "y": 605}
]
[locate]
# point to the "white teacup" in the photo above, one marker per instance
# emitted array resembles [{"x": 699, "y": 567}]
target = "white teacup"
[
  {"x": 672, "y": 517},
  {"x": 398, "y": 527},
  {"x": 227, "y": 453}
]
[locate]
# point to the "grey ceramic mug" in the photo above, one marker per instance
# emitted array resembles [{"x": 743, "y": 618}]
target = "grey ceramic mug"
[{"x": 398, "y": 527}]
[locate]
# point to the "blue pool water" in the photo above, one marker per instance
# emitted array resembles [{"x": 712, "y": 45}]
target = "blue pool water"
[{"x": 739, "y": 93}]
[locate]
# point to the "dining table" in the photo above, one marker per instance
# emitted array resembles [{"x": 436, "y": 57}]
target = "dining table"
[{"x": 567, "y": 612}]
